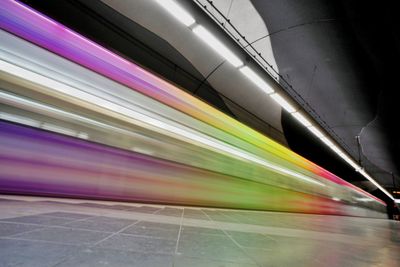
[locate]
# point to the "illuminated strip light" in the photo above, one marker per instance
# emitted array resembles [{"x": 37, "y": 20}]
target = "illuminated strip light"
[
  {"x": 209, "y": 39},
  {"x": 299, "y": 117},
  {"x": 316, "y": 132},
  {"x": 339, "y": 152},
  {"x": 283, "y": 103},
  {"x": 397, "y": 200},
  {"x": 177, "y": 11},
  {"x": 350, "y": 161},
  {"x": 366, "y": 175},
  {"x": 327, "y": 142},
  {"x": 199, "y": 138},
  {"x": 257, "y": 80}
]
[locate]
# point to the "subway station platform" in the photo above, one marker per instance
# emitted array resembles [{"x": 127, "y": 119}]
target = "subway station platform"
[{"x": 42, "y": 231}]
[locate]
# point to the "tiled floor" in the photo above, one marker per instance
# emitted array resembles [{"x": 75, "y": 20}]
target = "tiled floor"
[{"x": 41, "y": 232}]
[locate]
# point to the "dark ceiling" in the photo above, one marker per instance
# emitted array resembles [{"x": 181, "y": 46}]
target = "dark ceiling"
[{"x": 339, "y": 56}]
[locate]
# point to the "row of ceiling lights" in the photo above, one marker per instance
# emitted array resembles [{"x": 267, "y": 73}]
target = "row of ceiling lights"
[{"x": 208, "y": 38}]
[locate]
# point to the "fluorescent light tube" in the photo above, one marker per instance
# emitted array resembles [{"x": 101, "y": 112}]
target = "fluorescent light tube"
[
  {"x": 316, "y": 132},
  {"x": 257, "y": 80},
  {"x": 336, "y": 150},
  {"x": 298, "y": 116},
  {"x": 327, "y": 142},
  {"x": 177, "y": 11},
  {"x": 283, "y": 103},
  {"x": 215, "y": 44},
  {"x": 366, "y": 175}
]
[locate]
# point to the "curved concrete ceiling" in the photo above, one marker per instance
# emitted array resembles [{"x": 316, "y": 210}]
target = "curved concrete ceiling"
[
  {"x": 221, "y": 75},
  {"x": 331, "y": 59}
]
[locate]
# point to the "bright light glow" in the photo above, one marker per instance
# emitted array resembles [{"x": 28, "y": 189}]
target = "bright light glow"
[
  {"x": 257, "y": 80},
  {"x": 366, "y": 175},
  {"x": 298, "y": 116},
  {"x": 215, "y": 44},
  {"x": 327, "y": 142},
  {"x": 283, "y": 103},
  {"x": 336, "y": 149},
  {"x": 397, "y": 200},
  {"x": 178, "y": 132},
  {"x": 351, "y": 162},
  {"x": 336, "y": 198},
  {"x": 178, "y": 12},
  {"x": 316, "y": 132}
]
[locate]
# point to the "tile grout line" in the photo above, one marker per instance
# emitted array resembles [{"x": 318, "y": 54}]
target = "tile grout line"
[
  {"x": 121, "y": 230},
  {"x": 179, "y": 236},
  {"x": 233, "y": 240},
  {"x": 230, "y": 217},
  {"x": 41, "y": 227},
  {"x": 265, "y": 235}
]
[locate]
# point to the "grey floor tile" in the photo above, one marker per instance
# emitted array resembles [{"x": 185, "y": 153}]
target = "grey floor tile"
[
  {"x": 64, "y": 235},
  {"x": 116, "y": 258},
  {"x": 167, "y": 226},
  {"x": 38, "y": 219},
  {"x": 38, "y": 240},
  {"x": 171, "y": 234},
  {"x": 180, "y": 261},
  {"x": 8, "y": 229},
  {"x": 139, "y": 244},
  {"x": 94, "y": 205},
  {"x": 211, "y": 247},
  {"x": 217, "y": 216},
  {"x": 32, "y": 254},
  {"x": 69, "y": 215},
  {"x": 120, "y": 207},
  {"x": 201, "y": 230},
  {"x": 143, "y": 209},
  {"x": 105, "y": 224},
  {"x": 195, "y": 214},
  {"x": 252, "y": 240},
  {"x": 286, "y": 257},
  {"x": 171, "y": 212}
]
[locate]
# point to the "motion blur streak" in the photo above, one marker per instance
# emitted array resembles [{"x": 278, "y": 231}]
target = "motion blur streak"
[{"x": 143, "y": 138}]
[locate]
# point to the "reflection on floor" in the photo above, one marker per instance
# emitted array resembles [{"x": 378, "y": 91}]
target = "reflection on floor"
[{"x": 65, "y": 232}]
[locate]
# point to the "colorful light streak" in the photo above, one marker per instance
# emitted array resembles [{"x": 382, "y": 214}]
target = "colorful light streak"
[
  {"x": 70, "y": 167},
  {"x": 42, "y": 31}
]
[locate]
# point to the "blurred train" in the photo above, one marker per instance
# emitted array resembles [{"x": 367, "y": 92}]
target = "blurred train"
[{"x": 77, "y": 120}]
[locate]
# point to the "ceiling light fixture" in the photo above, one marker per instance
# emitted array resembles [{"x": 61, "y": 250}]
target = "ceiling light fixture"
[
  {"x": 177, "y": 11},
  {"x": 208, "y": 38},
  {"x": 298, "y": 116},
  {"x": 257, "y": 80},
  {"x": 282, "y": 102},
  {"x": 327, "y": 142},
  {"x": 316, "y": 132},
  {"x": 366, "y": 175}
]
